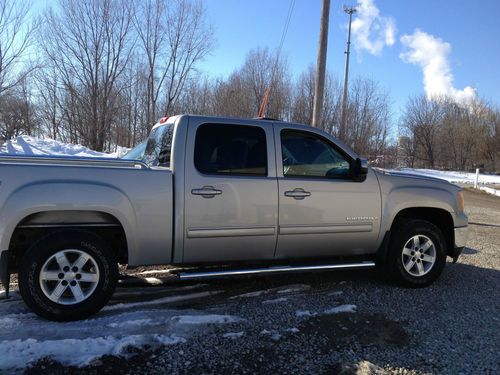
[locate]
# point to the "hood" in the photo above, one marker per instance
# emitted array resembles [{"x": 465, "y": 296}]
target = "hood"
[{"x": 410, "y": 175}]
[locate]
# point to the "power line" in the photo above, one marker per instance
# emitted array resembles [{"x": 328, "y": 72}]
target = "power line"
[{"x": 267, "y": 94}]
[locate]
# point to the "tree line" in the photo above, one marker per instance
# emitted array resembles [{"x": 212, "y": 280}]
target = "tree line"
[{"x": 100, "y": 73}]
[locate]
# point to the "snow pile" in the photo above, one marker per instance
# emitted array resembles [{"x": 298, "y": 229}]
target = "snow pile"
[
  {"x": 31, "y": 146},
  {"x": 450, "y": 176}
]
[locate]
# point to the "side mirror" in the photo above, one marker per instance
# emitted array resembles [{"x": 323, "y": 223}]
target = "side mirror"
[{"x": 360, "y": 170}]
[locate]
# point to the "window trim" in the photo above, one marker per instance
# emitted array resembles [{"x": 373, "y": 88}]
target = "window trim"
[
  {"x": 348, "y": 157},
  {"x": 231, "y": 174}
]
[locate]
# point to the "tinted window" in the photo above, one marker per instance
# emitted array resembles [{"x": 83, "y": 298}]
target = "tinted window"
[
  {"x": 308, "y": 155},
  {"x": 231, "y": 149},
  {"x": 159, "y": 146}
]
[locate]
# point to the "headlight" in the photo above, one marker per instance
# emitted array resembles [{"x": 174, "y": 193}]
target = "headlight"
[{"x": 461, "y": 202}]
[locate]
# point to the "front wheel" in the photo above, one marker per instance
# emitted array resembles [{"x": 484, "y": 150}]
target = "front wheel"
[
  {"x": 417, "y": 253},
  {"x": 68, "y": 275}
]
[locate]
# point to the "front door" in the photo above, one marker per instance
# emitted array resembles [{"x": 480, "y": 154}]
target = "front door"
[
  {"x": 323, "y": 211},
  {"x": 231, "y": 193}
]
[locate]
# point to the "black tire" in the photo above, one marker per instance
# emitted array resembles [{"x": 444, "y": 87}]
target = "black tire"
[
  {"x": 32, "y": 262},
  {"x": 402, "y": 232}
]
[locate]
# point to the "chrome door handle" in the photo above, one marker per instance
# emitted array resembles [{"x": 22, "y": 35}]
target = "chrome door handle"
[
  {"x": 206, "y": 192},
  {"x": 297, "y": 193}
]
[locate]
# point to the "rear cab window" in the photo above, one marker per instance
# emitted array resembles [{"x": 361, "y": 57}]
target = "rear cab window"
[
  {"x": 159, "y": 146},
  {"x": 225, "y": 149}
]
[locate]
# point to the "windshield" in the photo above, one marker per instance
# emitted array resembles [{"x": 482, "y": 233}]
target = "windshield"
[
  {"x": 159, "y": 145},
  {"x": 137, "y": 153}
]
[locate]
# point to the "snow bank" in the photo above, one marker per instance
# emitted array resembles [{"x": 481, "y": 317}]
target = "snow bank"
[
  {"x": 490, "y": 190},
  {"x": 451, "y": 176},
  {"x": 32, "y": 146}
]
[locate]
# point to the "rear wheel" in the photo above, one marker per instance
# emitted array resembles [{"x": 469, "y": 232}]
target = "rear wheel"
[
  {"x": 68, "y": 275},
  {"x": 417, "y": 253}
]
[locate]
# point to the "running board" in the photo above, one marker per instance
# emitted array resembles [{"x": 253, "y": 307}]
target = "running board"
[{"x": 209, "y": 274}]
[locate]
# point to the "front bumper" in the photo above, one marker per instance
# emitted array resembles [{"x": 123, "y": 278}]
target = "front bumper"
[
  {"x": 460, "y": 242},
  {"x": 461, "y": 234}
]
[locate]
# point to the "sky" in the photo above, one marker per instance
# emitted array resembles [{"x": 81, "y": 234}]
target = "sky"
[{"x": 409, "y": 47}]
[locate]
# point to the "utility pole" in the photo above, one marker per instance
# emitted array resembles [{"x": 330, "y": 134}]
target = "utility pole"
[
  {"x": 319, "y": 87},
  {"x": 343, "y": 120}
]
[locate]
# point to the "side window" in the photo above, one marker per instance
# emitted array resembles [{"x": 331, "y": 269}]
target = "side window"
[
  {"x": 230, "y": 149},
  {"x": 309, "y": 155}
]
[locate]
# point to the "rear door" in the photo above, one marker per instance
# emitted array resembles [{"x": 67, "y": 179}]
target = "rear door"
[
  {"x": 323, "y": 211},
  {"x": 231, "y": 192}
]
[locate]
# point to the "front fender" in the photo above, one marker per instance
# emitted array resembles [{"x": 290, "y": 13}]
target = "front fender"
[
  {"x": 60, "y": 196},
  {"x": 402, "y": 198}
]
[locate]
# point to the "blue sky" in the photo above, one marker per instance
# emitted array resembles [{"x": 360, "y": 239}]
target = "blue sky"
[{"x": 471, "y": 28}]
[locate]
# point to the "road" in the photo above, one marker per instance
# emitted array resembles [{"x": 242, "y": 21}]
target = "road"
[{"x": 330, "y": 322}]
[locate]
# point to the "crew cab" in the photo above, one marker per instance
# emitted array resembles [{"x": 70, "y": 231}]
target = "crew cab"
[{"x": 223, "y": 196}]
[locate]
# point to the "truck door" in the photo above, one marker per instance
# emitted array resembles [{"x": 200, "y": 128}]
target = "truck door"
[
  {"x": 231, "y": 192},
  {"x": 323, "y": 211}
]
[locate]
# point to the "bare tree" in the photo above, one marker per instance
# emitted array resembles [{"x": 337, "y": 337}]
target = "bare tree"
[
  {"x": 88, "y": 44},
  {"x": 16, "y": 37},
  {"x": 190, "y": 39},
  {"x": 174, "y": 37},
  {"x": 421, "y": 120},
  {"x": 262, "y": 71},
  {"x": 367, "y": 118},
  {"x": 303, "y": 98}
]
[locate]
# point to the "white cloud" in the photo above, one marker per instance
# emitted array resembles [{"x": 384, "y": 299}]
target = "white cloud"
[
  {"x": 431, "y": 54},
  {"x": 371, "y": 31}
]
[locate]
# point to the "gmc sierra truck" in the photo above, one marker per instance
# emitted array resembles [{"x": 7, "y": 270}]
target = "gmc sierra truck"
[{"x": 218, "y": 197}]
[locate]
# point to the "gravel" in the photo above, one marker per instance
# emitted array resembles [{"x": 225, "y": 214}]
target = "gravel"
[{"x": 356, "y": 322}]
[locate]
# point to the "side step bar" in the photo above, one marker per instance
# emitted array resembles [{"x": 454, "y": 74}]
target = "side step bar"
[{"x": 209, "y": 274}]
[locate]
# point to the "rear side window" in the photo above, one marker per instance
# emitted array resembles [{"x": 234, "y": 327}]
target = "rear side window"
[{"x": 231, "y": 150}]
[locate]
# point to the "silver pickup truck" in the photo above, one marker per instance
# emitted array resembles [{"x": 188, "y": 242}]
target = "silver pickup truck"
[{"x": 224, "y": 197}]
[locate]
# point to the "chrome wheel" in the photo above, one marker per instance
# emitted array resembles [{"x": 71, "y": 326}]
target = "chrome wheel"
[
  {"x": 419, "y": 255},
  {"x": 69, "y": 277}
]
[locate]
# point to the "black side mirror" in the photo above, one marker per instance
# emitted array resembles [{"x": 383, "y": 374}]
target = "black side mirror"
[{"x": 360, "y": 169}]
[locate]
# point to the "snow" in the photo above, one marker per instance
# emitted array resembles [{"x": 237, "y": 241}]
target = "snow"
[
  {"x": 490, "y": 190},
  {"x": 233, "y": 335},
  {"x": 280, "y": 290},
  {"x": 77, "y": 352},
  {"x": 450, "y": 176},
  {"x": 334, "y": 310},
  {"x": 276, "y": 300},
  {"x": 273, "y": 334},
  {"x": 32, "y": 146},
  {"x": 304, "y": 313},
  {"x": 206, "y": 319},
  {"x": 159, "y": 301},
  {"x": 341, "y": 309},
  {"x": 26, "y": 338}
]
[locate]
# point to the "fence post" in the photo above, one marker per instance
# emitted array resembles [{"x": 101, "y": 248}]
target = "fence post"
[{"x": 476, "y": 179}]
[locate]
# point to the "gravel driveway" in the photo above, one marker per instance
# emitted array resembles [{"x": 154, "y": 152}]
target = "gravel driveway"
[{"x": 334, "y": 322}]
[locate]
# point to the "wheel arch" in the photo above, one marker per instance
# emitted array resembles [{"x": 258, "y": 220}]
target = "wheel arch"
[
  {"x": 441, "y": 218},
  {"x": 37, "y": 225}
]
